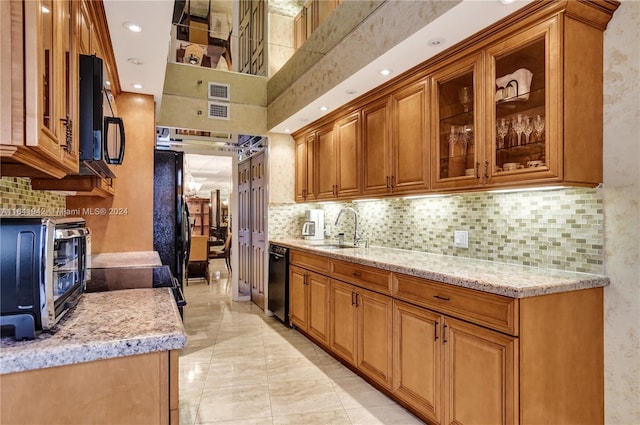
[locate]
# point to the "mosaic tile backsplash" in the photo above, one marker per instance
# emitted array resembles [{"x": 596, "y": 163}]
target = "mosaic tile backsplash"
[
  {"x": 560, "y": 229},
  {"x": 17, "y": 199}
]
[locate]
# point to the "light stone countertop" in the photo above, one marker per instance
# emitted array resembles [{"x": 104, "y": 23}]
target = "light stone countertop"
[
  {"x": 126, "y": 259},
  {"x": 103, "y": 325},
  {"x": 511, "y": 280}
]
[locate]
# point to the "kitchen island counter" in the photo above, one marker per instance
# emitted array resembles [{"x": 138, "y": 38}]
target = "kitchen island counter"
[
  {"x": 103, "y": 325},
  {"x": 511, "y": 280}
]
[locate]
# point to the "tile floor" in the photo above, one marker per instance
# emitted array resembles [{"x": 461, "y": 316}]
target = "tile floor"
[{"x": 242, "y": 367}]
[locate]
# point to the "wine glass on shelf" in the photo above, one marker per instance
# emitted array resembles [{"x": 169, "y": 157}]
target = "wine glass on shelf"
[
  {"x": 538, "y": 125},
  {"x": 465, "y": 95},
  {"x": 453, "y": 139},
  {"x": 528, "y": 127},
  {"x": 502, "y": 129},
  {"x": 518, "y": 127}
]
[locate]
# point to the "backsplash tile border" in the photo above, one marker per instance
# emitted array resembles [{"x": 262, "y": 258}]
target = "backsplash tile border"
[
  {"x": 558, "y": 229},
  {"x": 18, "y": 199}
]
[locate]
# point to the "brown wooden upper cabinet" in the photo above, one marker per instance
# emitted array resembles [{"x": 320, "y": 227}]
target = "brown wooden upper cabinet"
[
  {"x": 457, "y": 155},
  {"x": 395, "y": 144},
  {"x": 337, "y": 161},
  {"x": 42, "y": 62},
  {"x": 516, "y": 105},
  {"x": 525, "y": 140},
  {"x": 305, "y": 181}
]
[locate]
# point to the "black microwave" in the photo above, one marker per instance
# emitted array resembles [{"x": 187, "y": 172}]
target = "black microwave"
[{"x": 102, "y": 136}]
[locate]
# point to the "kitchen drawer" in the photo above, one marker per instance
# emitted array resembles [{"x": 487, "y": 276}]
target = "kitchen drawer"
[
  {"x": 363, "y": 276},
  {"x": 317, "y": 263},
  {"x": 491, "y": 310}
]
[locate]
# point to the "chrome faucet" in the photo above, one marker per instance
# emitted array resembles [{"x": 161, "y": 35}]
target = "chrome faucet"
[{"x": 356, "y": 236}]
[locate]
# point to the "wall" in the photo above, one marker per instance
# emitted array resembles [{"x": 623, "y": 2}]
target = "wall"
[
  {"x": 560, "y": 229},
  {"x": 127, "y": 221},
  {"x": 17, "y": 199},
  {"x": 622, "y": 215},
  {"x": 281, "y": 155},
  {"x": 281, "y": 41},
  {"x": 183, "y": 97}
]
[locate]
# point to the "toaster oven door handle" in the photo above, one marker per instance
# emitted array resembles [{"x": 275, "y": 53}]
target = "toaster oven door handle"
[
  {"x": 71, "y": 233},
  {"x": 71, "y": 302}
]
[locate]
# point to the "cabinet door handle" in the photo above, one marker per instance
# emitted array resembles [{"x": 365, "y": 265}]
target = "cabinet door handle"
[
  {"x": 486, "y": 171},
  {"x": 393, "y": 183},
  {"x": 444, "y": 334},
  {"x": 477, "y": 170},
  {"x": 388, "y": 178},
  {"x": 353, "y": 298},
  {"x": 435, "y": 331},
  {"x": 440, "y": 297},
  {"x": 357, "y": 304}
]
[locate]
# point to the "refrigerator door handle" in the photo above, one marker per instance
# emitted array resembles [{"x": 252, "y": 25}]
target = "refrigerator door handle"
[
  {"x": 187, "y": 229},
  {"x": 180, "y": 299}
]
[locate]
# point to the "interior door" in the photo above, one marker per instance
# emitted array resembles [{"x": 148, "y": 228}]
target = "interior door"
[
  {"x": 258, "y": 220},
  {"x": 244, "y": 231}
]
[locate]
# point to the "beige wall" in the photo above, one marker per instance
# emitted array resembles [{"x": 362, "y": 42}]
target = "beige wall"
[
  {"x": 127, "y": 224},
  {"x": 281, "y": 169},
  {"x": 183, "y": 97},
  {"x": 622, "y": 215}
]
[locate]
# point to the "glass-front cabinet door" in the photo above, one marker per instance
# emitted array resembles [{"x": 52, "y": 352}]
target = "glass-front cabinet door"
[
  {"x": 523, "y": 100},
  {"x": 455, "y": 104}
]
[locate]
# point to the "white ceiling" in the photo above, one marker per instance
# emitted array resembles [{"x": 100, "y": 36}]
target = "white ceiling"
[
  {"x": 152, "y": 46},
  {"x": 213, "y": 172}
]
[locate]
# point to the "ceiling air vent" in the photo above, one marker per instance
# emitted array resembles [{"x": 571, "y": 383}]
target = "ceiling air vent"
[
  {"x": 218, "y": 110},
  {"x": 219, "y": 91}
]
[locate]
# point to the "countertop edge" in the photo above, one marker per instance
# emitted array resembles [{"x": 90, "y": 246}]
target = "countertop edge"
[
  {"x": 577, "y": 282},
  {"x": 56, "y": 356}
]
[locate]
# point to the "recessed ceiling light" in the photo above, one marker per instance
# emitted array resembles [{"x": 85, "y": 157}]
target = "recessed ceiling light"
[
  {"x": 136, "y": 85},
  {"x": 507, "y": 1},
  {"x": 287, "y": 130},
  {"x": 385, "y": 72},
  {"x": 323, "y": 108},
  {"x": 135, "y": 61},
  {"x": 45, "y": 9},
  {"x": 436, "y": 42},
  {"x": 350, "y": 91},
  {"x": 131, "y": 26}
]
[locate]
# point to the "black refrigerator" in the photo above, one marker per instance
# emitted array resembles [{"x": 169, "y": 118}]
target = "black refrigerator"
[{"x": 171, "y": 231}]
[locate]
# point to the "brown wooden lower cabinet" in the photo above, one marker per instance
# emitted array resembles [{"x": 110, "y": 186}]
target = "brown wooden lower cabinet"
[
  {"x": 309, "y": 303},
  {"x": 361, "y": 329},
  {"x": 140, "y": 389},
  {"x": 460, "y": 359}
]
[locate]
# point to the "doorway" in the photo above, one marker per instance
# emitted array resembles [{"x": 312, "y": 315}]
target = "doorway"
[{"x": 212, "y": 163}]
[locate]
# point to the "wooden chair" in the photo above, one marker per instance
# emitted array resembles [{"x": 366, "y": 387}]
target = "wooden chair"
[
  {"x": 198, "y": 265},
  {"x": 225, "y": 252}
]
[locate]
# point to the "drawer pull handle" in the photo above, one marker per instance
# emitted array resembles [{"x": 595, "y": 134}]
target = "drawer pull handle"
[
  {"x": 440, "y": 297},
  {"x": 356, "y": 274}
]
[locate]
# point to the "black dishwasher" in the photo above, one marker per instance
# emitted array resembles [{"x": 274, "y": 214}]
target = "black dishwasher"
[{"x": 279, "y": 282}]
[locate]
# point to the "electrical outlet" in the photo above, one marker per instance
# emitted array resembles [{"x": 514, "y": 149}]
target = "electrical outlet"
[
  {"x": 327, "y": 230},
  {"x": 461, "y": 239}
]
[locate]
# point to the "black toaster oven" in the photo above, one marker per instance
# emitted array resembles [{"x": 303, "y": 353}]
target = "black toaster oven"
[{"x": 44, "y": 272}]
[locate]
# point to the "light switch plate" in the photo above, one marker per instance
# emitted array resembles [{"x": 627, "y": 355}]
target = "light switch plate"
[{"x": 461, "y": 239}]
